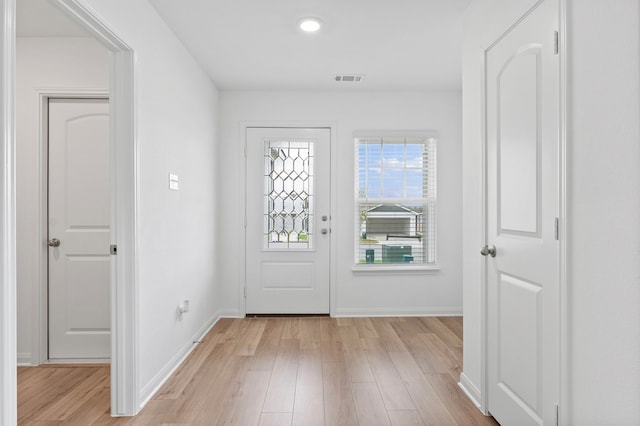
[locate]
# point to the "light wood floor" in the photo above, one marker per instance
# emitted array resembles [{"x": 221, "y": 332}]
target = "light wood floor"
[{"x": 282, "y": 371}]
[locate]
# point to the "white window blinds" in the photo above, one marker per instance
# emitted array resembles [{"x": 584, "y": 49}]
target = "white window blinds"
[{"x": 396, "y": 200}]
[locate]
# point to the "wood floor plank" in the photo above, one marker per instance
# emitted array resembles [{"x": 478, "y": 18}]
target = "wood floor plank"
[
  {"x": 408, "y": 327},
  {"x": 275, "y": 419},
  {"x": 67, "y": 405},
  {"x": 366, "y": 329},
  {"x": 424, "y": 396},
  {"x": 444, "y": 333},
  {"x": 250, "y": 338},
  {"x": 405, "y": 418},
  {"x": 354, "y": 355},
  {"x": 267, "y": 350},
  {"x": 175, "y": 386},
  {"x": 291, "y": 328},
  {"x": 226, "y": 385},
  {"x": 281, "y": 371},
  {"x": 392, "y": 388},
  {"x": 244, "y": 404},
  {"x": 369, "y": 406},
  {"x": 282, "y": 385},
  {"x": 309, "y": 399},
  {"x": 458, "y": 405},
  {"x": 310, "y": 333},
  {"x": 339, "y": 406},
  {"x": 388, "y": 335},
  {"x": 455, "y": 324},
  {"x": 330, "y": 343},
  {"x": 216, "y": 372}
]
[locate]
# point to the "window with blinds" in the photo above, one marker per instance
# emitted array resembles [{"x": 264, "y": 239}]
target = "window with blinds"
[{"x": 396, "y": 200}]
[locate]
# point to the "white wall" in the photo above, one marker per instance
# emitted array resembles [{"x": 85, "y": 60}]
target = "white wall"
[
  {"x": 176, "y": 107},
  {"x": 42, "y": 63},
  {"x": 603, "y": 195},
  {"x": 604, "y": 212},
  {"x": 357, "y": 293}
]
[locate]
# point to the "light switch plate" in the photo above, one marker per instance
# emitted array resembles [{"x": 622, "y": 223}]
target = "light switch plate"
[{"x": 174, "y": 182}]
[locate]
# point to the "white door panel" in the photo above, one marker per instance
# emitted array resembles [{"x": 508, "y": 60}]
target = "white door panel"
[
  {"x": 79, "y": 217},
  {"x": 522, "y": 122},
  {"x": 288, "y": 223}
]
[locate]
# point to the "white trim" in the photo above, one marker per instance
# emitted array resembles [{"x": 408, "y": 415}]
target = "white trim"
[
  {"x": 242, "y": 138},
  {"x": 8, "y": 332},
  {"x": 164, "y": 374},
  {"x": 484, "y": 357},
  {"x": 40, "y": 349},
  {"x": 472, "y": 392},
  {"x": 124, "y": 174},
  {"x": 446, "y": 311},
  {"x": 401, "y": 269},
  {"x": 563, "y": 234}
]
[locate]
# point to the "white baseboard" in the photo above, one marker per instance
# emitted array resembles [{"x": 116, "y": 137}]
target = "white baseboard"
[
  {"x": 399, "y": 312},
  {"x": 472, "y": 392},
  {"x": 25, "y": 359},
  {"x": 150, "y": 389},
  {"x": 230, "y": 313}
]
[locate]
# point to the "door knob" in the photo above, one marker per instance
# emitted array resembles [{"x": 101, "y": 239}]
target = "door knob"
[
  {"x": 488, "y": 250},
  {"x": 54, "y": 242}
]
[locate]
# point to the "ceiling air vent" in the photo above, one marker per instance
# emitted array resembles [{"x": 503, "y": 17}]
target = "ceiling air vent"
[{"x": 353, "y": 78}]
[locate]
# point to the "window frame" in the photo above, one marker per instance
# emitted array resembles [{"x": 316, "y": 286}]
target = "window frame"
[{"x": 430, "y": 140}]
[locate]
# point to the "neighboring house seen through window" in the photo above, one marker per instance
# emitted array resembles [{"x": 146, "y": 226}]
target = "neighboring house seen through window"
[{"x": 396, "y": 200}]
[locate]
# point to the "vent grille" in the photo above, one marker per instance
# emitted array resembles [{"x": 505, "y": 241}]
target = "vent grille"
[{"x": 349, "y": 78}]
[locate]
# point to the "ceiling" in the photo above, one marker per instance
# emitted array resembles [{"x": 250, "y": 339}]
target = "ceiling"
[{"x": 256, "y": 45}]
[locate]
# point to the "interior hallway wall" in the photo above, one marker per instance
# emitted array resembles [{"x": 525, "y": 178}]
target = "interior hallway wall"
[
  {"x": 42, "y": 63},
  {"x": 358, "y": 293},
  {"x": 176, "y": 110}
]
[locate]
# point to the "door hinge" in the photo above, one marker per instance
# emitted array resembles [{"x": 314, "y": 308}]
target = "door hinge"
[
  {"x": 245, "y": 221},
  {"x": 245, "y": 292},
  {"x": 556, "y": 42},
  {"x": 556, "y": 231},
  {"x": 557, "y": 407},
  {"x": 113, "y": 249}
]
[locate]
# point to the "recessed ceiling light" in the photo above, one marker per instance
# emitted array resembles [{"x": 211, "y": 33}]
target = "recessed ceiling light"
[{"x": 310, "y": 25}]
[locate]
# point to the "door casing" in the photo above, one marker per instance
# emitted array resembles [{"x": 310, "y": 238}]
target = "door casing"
[
  {"x": 335, "y": 226},
  {"x": 562, "y": 229}
]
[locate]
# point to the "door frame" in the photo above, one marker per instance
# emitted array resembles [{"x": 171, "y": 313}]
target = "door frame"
[
  {"x": 41, "y": 354},
  {"x": 8, "y": 332},
  {"x": 562, "y": 203},
  {"x": 124, "y": 200},
  {"x": 242, "y": 267}
]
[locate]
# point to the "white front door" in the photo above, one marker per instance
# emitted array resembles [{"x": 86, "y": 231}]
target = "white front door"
[
  {"x": 79, "y": 221},
  {"x": 522, "y": 125},
  {"x": 288, "y": 222}
]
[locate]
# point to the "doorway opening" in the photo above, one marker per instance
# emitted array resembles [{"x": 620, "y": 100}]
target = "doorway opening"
[{"x": 121, "y": 282}]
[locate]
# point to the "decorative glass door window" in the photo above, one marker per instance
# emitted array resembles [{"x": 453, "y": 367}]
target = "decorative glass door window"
[{"x": 288, "y": 195}]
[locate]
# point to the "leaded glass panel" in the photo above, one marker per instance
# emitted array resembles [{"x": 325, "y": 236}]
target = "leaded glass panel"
[{"x": 288, "y": 195}]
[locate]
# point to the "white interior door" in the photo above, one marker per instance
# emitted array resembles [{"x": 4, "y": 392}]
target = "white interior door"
[
  {"x": 288, "y": 222},
  {"x": 79, "y": 221},
  {"x": 522, "y": 124}
]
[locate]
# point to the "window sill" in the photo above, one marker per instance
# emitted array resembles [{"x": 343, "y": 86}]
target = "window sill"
[{"x": 391, "y": 269}]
